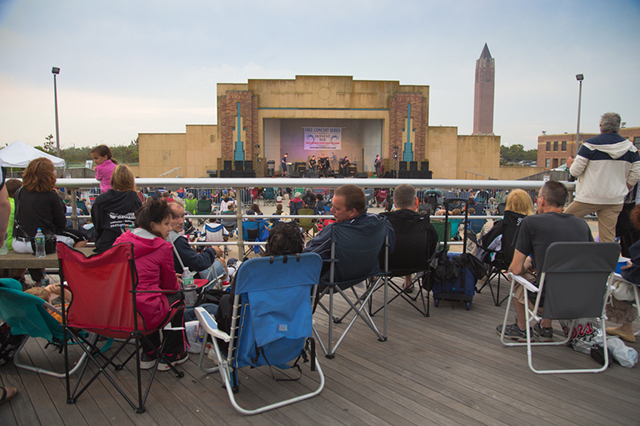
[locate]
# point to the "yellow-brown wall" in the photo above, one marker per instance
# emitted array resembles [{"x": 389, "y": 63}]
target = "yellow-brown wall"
[{"x": 196, "y": 151}]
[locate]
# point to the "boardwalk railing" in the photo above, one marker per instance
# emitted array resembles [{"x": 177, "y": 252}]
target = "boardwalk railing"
[{"x": 73, "y": 185}]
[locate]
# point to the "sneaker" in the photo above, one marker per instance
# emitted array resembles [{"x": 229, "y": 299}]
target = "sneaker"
[
  {"x": 174, "y": 359},
  {"x": 544, "y": 334},
  {"x": 212, "y": 356},
  {"x": 512, "y": 331},
  {"x": 148, "y": 360}
]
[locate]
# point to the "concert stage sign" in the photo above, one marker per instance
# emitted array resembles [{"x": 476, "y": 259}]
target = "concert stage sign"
[{"x": 322, "y": 138}]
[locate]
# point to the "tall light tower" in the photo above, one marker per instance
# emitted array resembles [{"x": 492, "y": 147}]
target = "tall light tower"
[
  {"x": 55, "y": 71},
  {"x": 579, "y": 77}
]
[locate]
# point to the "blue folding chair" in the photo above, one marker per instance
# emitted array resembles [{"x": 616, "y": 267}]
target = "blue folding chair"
[
  {"x": 254, "y": 231},
  {"x": 27, "y": 315},
  {"x": 271, "y": 323}
]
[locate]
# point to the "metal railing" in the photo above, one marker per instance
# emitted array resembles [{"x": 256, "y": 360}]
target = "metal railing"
[{"x": 242, "y": 183}]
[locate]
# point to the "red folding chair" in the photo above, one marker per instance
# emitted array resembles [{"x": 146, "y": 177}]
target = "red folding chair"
[{"x": 104, "y": 302}]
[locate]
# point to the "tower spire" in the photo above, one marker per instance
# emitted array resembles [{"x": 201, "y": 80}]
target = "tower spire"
[{"x": 484, "y": 94}]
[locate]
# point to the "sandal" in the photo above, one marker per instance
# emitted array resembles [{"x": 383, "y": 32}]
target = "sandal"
[
  {"x": 409, "y": 289},
  {"x": 7, "y": 394}
]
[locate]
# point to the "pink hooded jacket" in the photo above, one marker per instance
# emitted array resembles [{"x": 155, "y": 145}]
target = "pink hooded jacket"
[
  {"x": 154, "y": 263},
  {"x": 103, "y": 174}
]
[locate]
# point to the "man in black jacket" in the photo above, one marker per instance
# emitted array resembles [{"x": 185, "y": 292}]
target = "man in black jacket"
[{"x": 416, "y": 238}]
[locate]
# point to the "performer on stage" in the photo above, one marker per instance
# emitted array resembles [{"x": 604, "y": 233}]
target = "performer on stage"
[
  {"x": 284, "y": 164},
  {"x": 345, "y": 162},
  {"x": 322, "y": 165},
  {"x": 312, "y": 168}
]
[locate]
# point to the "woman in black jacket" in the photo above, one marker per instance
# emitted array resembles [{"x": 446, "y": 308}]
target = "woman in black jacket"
[{"x": 114, "y": 211}]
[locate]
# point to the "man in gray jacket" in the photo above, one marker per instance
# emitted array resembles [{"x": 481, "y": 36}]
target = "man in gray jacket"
[{"x": 606, "y": 167}]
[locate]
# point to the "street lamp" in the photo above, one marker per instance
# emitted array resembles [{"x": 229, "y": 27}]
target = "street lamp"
[
  {"x": 55, "y": 71},
  {"x": 579, "y": 77}
]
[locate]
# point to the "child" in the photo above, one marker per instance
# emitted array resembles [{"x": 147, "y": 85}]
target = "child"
[
  {"x": 105, "y": 165},
  {"x": 47, "y": 294}
]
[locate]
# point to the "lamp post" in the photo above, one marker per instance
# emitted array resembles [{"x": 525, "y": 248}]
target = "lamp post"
[
  {"x": 55, "y": 71},
  {"x": 579, "y": 77}
]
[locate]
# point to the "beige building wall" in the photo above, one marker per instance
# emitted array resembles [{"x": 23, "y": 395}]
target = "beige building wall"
[
  {"x": 272, "y": 108},
  {"x": 195, "y": 151}
]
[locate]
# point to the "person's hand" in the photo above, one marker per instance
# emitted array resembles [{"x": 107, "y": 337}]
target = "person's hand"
[
  {"x": 570, "y": 161},
  {"x": 628, "y": 265},
  {"x": 218, "y": 251}
]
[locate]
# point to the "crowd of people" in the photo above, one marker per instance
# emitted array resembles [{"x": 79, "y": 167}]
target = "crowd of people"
[{"x": 154, "y": 223}]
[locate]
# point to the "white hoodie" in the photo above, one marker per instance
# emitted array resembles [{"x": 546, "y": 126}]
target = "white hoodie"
[{"x": 606, "y": 167}]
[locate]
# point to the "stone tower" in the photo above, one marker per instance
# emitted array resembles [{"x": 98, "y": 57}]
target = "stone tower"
[{"x": 484, "y": 93}]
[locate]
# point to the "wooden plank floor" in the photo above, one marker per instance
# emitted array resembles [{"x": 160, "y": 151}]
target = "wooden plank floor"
[{"x": 448, "y": 369}]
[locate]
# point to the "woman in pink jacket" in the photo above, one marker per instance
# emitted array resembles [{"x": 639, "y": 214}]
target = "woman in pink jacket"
[{"x": 154, "y": 263}]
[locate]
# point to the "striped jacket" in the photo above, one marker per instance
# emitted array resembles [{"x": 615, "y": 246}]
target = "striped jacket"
[{"x": 606, "y": 167}]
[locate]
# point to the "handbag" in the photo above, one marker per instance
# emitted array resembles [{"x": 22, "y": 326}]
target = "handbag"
[{"x": 622, "y": 291}]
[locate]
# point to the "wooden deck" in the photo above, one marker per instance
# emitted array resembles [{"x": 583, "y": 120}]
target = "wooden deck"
[{"x": 448, "y": 369}]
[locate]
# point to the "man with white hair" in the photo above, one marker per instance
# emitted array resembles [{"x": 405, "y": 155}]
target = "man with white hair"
[{"x": 606, "y": 166}]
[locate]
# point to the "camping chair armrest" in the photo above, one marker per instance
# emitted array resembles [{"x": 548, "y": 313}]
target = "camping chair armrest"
[
  {"x": 161, "y": 291},
  {"x": 524, "y": 282},
  {"x": 210, "y": 325}
]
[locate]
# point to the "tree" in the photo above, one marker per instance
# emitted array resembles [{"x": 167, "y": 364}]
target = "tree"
[
  {"x": 49, "y": 146},
  {"x": 516, "y": 153}
]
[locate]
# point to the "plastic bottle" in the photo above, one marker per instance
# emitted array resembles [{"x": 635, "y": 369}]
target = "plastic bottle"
[
  {"x": 39, "y": 240},
  {"x": 4, "y": 249},
  {"x": 189, "y": 285}
]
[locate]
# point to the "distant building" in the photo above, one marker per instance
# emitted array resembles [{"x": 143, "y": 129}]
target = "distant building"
[
  {"x": 553, "y": 150},
  {"x": 484, "y": 94}
]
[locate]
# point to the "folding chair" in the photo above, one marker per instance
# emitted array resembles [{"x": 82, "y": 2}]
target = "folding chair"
[
  {"x": 574, "y": 283},
  {"x": 416, "y": 242},
  {"x": 306, "y": 223},
  {"x": 503, "y": 257},
  {"x": 295, "y": 207},
  {"x": 271, "y": 323},
  {"x": 355, "y": 250},
  {"x": 253, "y": 231},
  {"x": 269, "y": 196},
  {"x": 27, "y": 315},
  {"x": 104, "y": 302},
  {"x": 215, "y": 233}
]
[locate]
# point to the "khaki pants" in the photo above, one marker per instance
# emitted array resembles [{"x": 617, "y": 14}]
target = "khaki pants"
[{"x": 607, "y": 217}]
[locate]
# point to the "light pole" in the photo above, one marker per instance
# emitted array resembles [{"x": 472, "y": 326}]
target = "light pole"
[
  {"x": 579, "y": 77},
  {"x": 55, "y": 71}
]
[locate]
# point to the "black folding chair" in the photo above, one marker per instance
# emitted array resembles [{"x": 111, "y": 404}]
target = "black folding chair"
[
  {"x": 574, "y": 283},
  {"x": 416, "y": 241},
  {"x": 355, "y": 248}
]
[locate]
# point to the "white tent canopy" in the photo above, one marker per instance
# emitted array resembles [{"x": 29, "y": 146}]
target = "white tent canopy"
[{"x": 19, "y": 155}]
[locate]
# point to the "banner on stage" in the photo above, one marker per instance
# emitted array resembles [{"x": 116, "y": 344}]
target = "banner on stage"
[{"x": 322, "y": 138}]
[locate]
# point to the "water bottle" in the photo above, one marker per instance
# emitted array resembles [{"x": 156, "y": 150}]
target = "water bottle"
[
  {"x": 5, "y": 248},
  {"x": 189, "y": 286},
  {"x": 39, "y": 240}
]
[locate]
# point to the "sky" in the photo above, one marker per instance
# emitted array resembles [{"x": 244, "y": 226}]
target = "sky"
[{"x": 130, "y": 67}]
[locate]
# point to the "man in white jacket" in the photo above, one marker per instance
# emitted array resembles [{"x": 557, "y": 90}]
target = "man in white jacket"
[{"x": 606, "y": 167}]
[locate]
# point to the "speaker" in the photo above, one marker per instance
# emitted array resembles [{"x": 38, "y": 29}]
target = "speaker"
[
  {"x": 426, "y": 174},
  {"x": 212, "y": 173},
  {"x": 237, "y": 173},
  {"x": 404, "y": 174},
  {"x": 413, "y": 165},
  {"x": 403, "y": 165},
  {"x": 248, "y": 165},
  {"x": 362, "y": 175},
  {"x": 225, "y": 173},
  {"x": 249, "y": 173},
  {"x": 239, "y": 165},
  {"x": 424, "y": 166},
  {"x": 227, "y": 164}
]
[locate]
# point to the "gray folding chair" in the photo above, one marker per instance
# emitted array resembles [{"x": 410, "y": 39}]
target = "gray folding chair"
[
  {"x": 354, "y": 258},
  {"x": 573, "y": 283}
]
